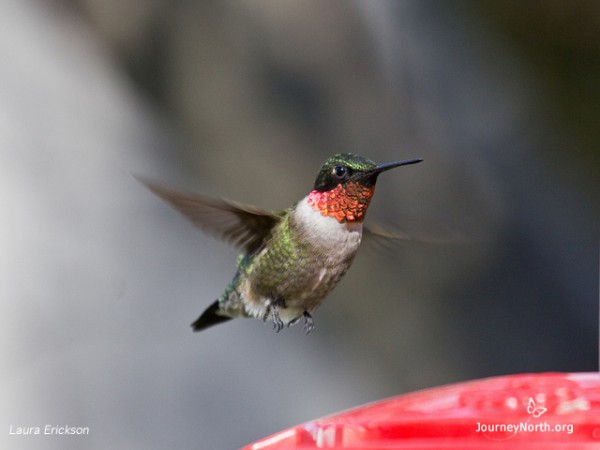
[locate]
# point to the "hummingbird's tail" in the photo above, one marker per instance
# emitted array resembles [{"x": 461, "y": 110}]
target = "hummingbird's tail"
[{"x": 209, "y": 317}]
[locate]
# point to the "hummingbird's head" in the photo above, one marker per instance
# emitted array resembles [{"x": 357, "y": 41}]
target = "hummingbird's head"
[{"x": 345, "y": 185}]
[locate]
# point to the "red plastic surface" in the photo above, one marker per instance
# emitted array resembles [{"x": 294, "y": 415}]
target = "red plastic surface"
[{"x": 533, "y": 411}]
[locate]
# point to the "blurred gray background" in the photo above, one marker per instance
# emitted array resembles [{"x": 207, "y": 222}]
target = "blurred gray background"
[{"x": 245, "y": 99}]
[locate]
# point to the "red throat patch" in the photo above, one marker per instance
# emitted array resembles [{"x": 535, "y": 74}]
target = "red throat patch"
[{"x": 347, "y": 203}]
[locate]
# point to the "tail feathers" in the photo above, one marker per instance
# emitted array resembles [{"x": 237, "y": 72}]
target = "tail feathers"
[{"x": 209, "y": 318}]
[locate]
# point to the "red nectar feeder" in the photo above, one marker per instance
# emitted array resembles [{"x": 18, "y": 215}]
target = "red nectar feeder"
[{"x": 532, "y": 411}]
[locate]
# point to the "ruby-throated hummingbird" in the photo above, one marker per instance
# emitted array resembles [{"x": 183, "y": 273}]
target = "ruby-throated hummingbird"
[{"x": 290, "y": 259}]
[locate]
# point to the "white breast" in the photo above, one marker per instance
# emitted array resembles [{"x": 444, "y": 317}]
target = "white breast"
[{"x": 338, "y": 239}]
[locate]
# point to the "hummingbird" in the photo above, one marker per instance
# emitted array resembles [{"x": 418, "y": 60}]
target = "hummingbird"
[{"x": 292, "y": 259}]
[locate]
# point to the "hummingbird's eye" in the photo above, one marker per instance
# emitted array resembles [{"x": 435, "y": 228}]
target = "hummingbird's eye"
[{"x": 340, "y": 171}]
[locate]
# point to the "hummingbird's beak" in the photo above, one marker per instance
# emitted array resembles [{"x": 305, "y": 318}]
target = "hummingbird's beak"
[
  {"x": 370, "y": 176},
  {"x": 383, "y": 167}
]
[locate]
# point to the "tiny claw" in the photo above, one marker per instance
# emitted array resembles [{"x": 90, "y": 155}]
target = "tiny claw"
[
  {"x": 273, "y": 308},
  {"x": 309, "y": 323},
  {"x": 266, "y": 314},
  {"x": 277, "y": 322}
]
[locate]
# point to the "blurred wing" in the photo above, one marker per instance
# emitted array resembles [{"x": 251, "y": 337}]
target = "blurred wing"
[
  {"x": 437, "y": 235},
  {"x": 378, "y": 232},
  {"x": 377, "y": 238},
  {"x": 241, "y": 225}
]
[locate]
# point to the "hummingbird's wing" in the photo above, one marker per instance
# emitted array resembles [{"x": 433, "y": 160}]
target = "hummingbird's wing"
[
  {"x": 244, "y": 226},
  {"x": 378, "y": 238},
  {"x": 378, "y": 232},
  {"x": 437, "y": 235}
]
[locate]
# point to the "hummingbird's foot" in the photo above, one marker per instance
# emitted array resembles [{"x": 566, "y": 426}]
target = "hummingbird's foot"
[
  {"x": 309, "y": 323},
  {"x": 273, "y": 311},
  {"x": 277, "y": 322}
]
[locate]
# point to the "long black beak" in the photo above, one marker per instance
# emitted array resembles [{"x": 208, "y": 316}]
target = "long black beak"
[
  {"x": 383, "y": 167},
  {"x": 369, "y": 177}
]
